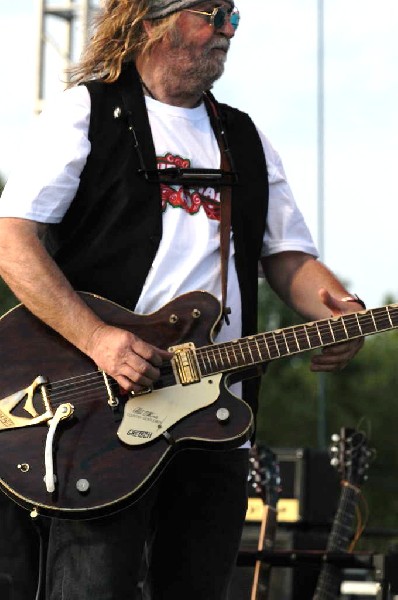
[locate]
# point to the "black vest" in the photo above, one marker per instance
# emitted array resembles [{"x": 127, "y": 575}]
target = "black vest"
[{"x": 108, "y": 239}]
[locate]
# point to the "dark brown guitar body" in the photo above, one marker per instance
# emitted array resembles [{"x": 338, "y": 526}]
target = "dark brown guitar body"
[
  {"x": 86, "y": 446},
  {"x": 98, "y": 473}
]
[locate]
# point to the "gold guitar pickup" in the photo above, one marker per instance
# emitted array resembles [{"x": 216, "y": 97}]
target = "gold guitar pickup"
[{"x": 185, "y": 364}]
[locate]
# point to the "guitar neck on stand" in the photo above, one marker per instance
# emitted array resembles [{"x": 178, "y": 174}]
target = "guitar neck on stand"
[{"x": 351, "y": 456}]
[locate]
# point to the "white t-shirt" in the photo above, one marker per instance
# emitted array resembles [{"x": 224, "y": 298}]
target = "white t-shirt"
[
  {"x": 188, "y": 258},
  {"x": 55, "y": 153}
]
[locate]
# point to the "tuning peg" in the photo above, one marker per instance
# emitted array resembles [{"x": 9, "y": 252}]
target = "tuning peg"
[{"x": 335, "y": 437}]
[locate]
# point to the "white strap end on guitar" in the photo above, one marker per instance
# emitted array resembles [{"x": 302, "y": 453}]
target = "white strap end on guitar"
[
  {"x": 50, "y": 483},
  {"x": 49, "y": 478}
]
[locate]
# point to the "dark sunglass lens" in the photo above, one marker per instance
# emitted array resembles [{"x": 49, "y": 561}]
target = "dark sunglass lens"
[{"x": 219, "y": 16}]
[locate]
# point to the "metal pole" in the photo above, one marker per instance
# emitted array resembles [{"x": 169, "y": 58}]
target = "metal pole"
[
  {"x": 321, "y": 188},
  {"x": 321, "y": 128},
  {"x": 39, "y": 91},
  {"x": 69, "y": 39},
  {"x": 76, "y": 16}
]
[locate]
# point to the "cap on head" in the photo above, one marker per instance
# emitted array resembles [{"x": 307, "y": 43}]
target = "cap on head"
[{"x": 163, "y": 8}]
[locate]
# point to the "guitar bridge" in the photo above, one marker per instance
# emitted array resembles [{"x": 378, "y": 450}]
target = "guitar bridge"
[{"x": 185, "y": 364}]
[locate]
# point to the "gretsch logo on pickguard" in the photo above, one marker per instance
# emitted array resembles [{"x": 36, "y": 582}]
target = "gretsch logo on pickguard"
[{"x": 139, "y": 434}]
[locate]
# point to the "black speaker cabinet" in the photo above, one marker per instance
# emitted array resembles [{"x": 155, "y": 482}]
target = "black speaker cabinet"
[{"x": 310, "y": 486}]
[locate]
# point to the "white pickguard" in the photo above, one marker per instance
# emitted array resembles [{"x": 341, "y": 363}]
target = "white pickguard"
[{"x": 148, "y": 416}]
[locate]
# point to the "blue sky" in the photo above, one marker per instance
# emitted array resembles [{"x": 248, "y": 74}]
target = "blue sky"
[{"x": 271, "y": 74}]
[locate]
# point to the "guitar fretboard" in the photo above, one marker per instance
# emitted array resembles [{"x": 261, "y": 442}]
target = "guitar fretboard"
[
  {"x": 280, "y": 343},
  {"x": 328, "y": 584}
]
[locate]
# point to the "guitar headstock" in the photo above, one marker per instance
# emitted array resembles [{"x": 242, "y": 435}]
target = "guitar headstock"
[
  {"x": 350, "y": 455},
  {"x": 264, "y": 475}
]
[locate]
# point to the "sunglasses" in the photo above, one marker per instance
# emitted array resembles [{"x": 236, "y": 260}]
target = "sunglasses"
[{"x": 219, "y": 15}]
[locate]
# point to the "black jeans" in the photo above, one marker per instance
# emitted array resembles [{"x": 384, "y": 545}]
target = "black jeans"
[
  {"x": 19, "y": 552},
  {"x": 190, "y": 522}
]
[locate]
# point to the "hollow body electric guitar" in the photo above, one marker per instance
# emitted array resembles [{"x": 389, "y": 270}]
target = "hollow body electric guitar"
[
  {"x": 71, "y": 447},
  {"x": 351, "y": 456}
]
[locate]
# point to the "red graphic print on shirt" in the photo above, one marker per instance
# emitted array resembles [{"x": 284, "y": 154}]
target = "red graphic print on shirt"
[{"x": 189, "y": 199}]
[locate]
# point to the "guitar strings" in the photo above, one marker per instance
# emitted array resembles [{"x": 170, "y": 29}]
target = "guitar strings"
[
  {"x": 281, "y": 340},
  {"x": 76, "y": 389},
  {"x": 258, "y": 347},
  {"x": 72, "y": 388},
  {"x": 362, "y": 520}
]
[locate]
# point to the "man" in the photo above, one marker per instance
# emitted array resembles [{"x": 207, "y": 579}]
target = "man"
[{"x": 112, "y": 226}]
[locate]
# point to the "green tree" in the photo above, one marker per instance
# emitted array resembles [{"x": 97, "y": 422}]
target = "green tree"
[
  {"x": 7, "y": 298},
  {"x": 363, "y": 396},
  {"x": 289, "y": 389}
]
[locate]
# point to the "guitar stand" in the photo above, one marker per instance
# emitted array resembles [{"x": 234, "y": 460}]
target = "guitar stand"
[{"x": 382, "y": 566}]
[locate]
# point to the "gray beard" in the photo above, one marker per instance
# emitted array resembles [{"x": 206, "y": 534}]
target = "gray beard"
[{"x": 188, "y": 75}]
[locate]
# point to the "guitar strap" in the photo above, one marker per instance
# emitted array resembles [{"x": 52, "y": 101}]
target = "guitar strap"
[
  {"x": 226, "y": 166},
  {"x": 225, "y": 199}
]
